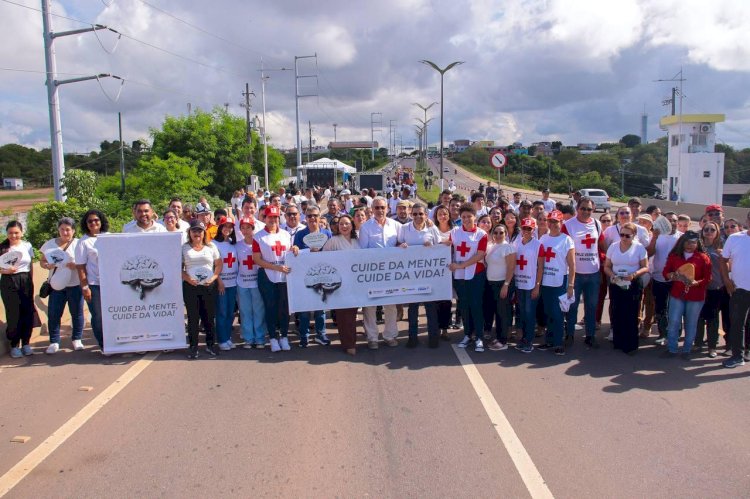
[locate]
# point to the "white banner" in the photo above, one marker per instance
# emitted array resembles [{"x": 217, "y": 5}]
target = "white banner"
[
  {"x": 368, "y": 277},
  {"x": 141, "y": 286}
]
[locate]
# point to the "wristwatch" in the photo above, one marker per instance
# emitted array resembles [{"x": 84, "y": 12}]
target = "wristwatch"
[{"x": 85, "y": 288}]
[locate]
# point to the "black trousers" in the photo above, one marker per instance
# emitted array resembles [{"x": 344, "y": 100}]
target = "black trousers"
[
  {"x": 739, "y": 305},
  {"x": 624, "y": 320},
  {"x": 661, "y": 304},
  {"x": 17, "y": 291},
  {"x": 200, "y": 302}
]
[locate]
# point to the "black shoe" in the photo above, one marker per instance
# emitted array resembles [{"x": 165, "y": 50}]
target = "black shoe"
[
  {"x": 433, "y": 342},
  {"x": 733, "y": 362},
  {"x": 591, "y": 342},
  {"x": 569, "y": 339},
  {"x": 544, "y": 346},
  {"x": 412, "y": 343},
  {"x": 193, "y": 354},
  {"x": 666, "y": 354},
  {"x": 685, "y": 356},
  {"x": 746, "y": 356},
  {"x": 560, "y": 351},
  {"x": 210, "y": 351}
]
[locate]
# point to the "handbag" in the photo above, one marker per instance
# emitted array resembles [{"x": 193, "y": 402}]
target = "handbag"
[{"x": 46, "y": 288}]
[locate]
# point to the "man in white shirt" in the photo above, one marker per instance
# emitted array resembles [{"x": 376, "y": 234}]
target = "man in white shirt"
[
  {"x": 549, "y": 204},
  {"x": 293, "y": 223},
  {"x": 176, "y": 205},
  {"x": 143, "y": 219},
  {"x": 393, "y": 202},
  {"x": 658, "y": 250},
  {"x": 380, "y": 232},
  {"x": 735, "y": 253},
  {"x": 516, "y": 203}
]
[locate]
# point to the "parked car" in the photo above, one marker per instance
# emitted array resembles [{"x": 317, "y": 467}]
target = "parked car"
[{"x": 600, "y": 198}]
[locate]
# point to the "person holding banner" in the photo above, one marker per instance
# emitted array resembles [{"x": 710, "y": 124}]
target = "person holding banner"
[
  {"x": 17, "y": 289},
  {"x": 417, "y": 233},
  {"x": 201, "y": 268},
  {"x": 469, "y": 245},
  {"x": 441, "y": 216},
  {"x": 346, "y": 318},
  {"x": 58, "y": 256},
  {"x": 249, "y": 300},
  {"x": 93, "y": 223},
  {"x": 226, "y": 299},
  {"x": 316, "y": 237},
  {"x": 270, "y": 247}
]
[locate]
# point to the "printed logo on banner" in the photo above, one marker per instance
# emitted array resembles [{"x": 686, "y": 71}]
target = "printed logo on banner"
[
  {"x": 142, "y": 274},
  {"x": 323, "y": 278}
]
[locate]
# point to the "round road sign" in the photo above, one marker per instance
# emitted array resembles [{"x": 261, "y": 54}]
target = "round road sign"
[{"x": 498, "y": 161}]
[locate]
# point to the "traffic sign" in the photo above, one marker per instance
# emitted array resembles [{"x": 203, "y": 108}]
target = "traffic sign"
[
  {"x": 498, "y": 161},
  {"x": 430, "y": 173}
]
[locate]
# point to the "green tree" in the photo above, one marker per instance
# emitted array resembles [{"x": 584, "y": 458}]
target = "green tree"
[{"x": 630, "y": 140}]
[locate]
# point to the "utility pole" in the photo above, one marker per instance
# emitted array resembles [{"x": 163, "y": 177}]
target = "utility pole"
[
  {"x": 122, "y": 157},
  {"x": 392, "y": 138},
  {"x": 248, "y": 124},
  {"x": 297, "y": 96},
  {"x": 309, "y": 137},
  {"x": 334, "y": 132},
  {"x": 372, "y": 132},
  {"x": 55, "y": 125},
  {"x": 263, "y": 79}
]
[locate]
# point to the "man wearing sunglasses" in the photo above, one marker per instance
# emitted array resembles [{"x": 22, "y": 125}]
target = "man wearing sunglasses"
[
  {"x": 588, "y": 238},
  {"x": 735, "y": 254}
]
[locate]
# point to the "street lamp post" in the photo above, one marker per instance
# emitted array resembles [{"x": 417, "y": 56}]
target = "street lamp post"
[
  {"x": 425, "y": 109},
  {"x": 442, "y": 74}
]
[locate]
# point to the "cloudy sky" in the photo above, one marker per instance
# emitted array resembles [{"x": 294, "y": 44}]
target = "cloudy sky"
[{"x": 570, "y": 70}]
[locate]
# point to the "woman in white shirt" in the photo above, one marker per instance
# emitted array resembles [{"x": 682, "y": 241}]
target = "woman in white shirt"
[
  {"x": 173, "y": 224},
  {"x": 201, "y": 267},
  {"x": 58, "y": 256},
  {"x": 226, "y": 299},
  {"x": 93, "y": 223},
  {"x": 17, "y": 289},
  {"x": 441, "y": 216},
  {"x": 626, "y": 262},
  {"x": 501, "y": 263}
]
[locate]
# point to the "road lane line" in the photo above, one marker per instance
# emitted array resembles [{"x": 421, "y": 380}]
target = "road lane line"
[
  {"x": 40, "y": 453},
  {"x": 526, "y": 468}
]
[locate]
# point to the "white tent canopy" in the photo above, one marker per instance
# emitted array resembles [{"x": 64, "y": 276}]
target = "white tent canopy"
[{"x": 329, "y": 163}]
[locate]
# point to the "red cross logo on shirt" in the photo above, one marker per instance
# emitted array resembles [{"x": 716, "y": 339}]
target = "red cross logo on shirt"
[
  {"x": 248, "y": 262},
  {"x": 229, "y": 260},
  {"x": 278, "y": 248},
  {"x": 588, "y": 241},
  {"x": 521, "y": 262},
  {"x": 463, "y": 248},
  {"x": 548, "y": 254}
]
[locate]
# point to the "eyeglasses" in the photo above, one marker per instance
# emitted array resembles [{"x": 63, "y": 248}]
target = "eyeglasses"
[
  {"x": 93, "y": 221},
  {"x": 417, "y": 213},
  {"x": 378, "y": 207},
  {"x": 585, "y": 209},
  {"x": 527, "y": 228},
  {"x": 292, "y": 213},
  {"x": 731, "y": 226},
  {"x": 606, "y": 221},
  {"x": 498, "y": 233},
  {"x": 626, "y": 236},
  {"x": 709, "y": 229},
  {"x": 623, "y": 214},
  {"x": 313, "y": 216},
  {"x": 713, "y": 213}
]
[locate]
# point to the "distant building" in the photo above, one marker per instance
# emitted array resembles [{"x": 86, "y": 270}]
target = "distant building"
[
  {"x": 587, "y": 147},
  {"x": 544, "y": 149},
  {"x": 695, "y": 172},
  {"x": 733, "y": 193},
  {"x": 14, "y": 184},
  {"x": 461, "y": 145},
  {"x": 353, "y": 145}
]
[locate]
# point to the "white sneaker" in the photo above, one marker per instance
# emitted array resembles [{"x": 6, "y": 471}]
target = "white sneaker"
[
  {"x": 53, "y": 348},
  {"x": 464, "y": 342},
  {"x": 231, "y": 345},
  {"x": 285, "y": 344},
  {"x": 479, "y": 346},
  {"x": 77, "y": 345},
  {"x": 610, "y": 337},
  {"x": 16, "y": 353},
  {"x": 224, "y": 346},
  {"x": 275, "y": 345},
  {"x": 26, "y": 350}
]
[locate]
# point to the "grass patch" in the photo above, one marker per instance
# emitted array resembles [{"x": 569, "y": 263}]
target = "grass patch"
[
  {"x": 21, "y": 196},
  {"x": 426, "y": 195}
]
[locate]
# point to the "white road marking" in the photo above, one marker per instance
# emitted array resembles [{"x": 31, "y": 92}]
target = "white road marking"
[
  {"x": 526, "y": 468},
  {"x": 40, "y": 453}
]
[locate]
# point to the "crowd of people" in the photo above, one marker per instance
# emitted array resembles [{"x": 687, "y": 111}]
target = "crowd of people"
[{"x": 521, "y": 267}]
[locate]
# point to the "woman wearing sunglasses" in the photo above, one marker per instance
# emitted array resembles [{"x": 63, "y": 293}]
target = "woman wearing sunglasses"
[
  {"x": 708, "y": 321},
  {"x": 626, "y": 262},
  {"x": 501, "y": 262}
]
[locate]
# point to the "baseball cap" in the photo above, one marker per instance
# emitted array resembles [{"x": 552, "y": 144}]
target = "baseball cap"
[
  {"x": 197, "y": 224},
  {"x": 545, "y": 190},
  {"x": 272, "y": 211},
  {"x": 528, "y": 222},
  {"x": 634, "y": 201},
  {"x": 691, "y": 235},
  {"x": 247, "y": 221},
  {"x": 200, "y": 209},
  {"x": 226, "y": 220},
  {"x": 555, "y": 215},
  {"x": 266, "y": 194},
  {"x": 346, "y": 192},
  {"x": 646, "y": 218},
  {"x": 714, "y": 207},
  {"x": 404, "y": 202}
]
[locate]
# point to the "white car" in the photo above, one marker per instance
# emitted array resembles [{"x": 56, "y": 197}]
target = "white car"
[{"x": 600, "y": 198}]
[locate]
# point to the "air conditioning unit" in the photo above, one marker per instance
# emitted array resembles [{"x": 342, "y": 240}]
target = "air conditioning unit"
[{"x": 705, "y": 127}]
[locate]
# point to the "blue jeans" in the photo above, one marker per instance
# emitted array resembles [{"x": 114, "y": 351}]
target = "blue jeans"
[
  {"x": 252, "y": 315},
  {"x": 527, "y": 306},
  {"x": 95, "y": 309},
  {"x": 304, "y": 324},
  {"x": 551, "y": 295},
  {"x": 73, "y": 296},
  {"x": 225, "y": 313},
  {"x": 588, "y": 284},
  {"x": 678, "y": 309},
  {"x": 430, "y": 310}
]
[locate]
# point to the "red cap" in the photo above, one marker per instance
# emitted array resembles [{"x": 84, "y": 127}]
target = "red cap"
[
  {"x": 555, "y": 215},
  {"x": 272, "y": 211},
  {"x": 528, "y": 222},
  {"x": 714, "y": 207},
  {"x": 226, "y": 220},
  {"x": 247, "y": 221}
]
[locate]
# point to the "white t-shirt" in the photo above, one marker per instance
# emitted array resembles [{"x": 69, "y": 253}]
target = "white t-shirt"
[
  {"x": 87, "y": 254},
  {"x": 495, "y": 260},
  {"x": 63, "y": 277},
  {"x": 231, "y": 264},
  {"x": 662, "y": 247},
  {"x": 627, "y": 262},
  {"x": 413, "y": 237},
  {"x": 392, "y": 204},
  {"x": 273, "y": 248},
  {"x": 612, "y": 235},
  {"x": 247, "y": 275},
  {"x": 199, "y": 264},
  {"x": 133, "y": 227},
  {"x": 554, "y": 250},
  {"x": 586, "y": 239},
  {"x": 527, "y": 256},
  {"x": 737, "y": 249},
  {"x": 549, "y": 204},
  {"x": 24, "y": 252},
  {"x": 466, "y": 244}
]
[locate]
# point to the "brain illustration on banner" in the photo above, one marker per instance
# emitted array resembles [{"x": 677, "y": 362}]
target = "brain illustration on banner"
[
  {"x": 323, "y": 278},
  {"x": 142, "y": 274}
]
